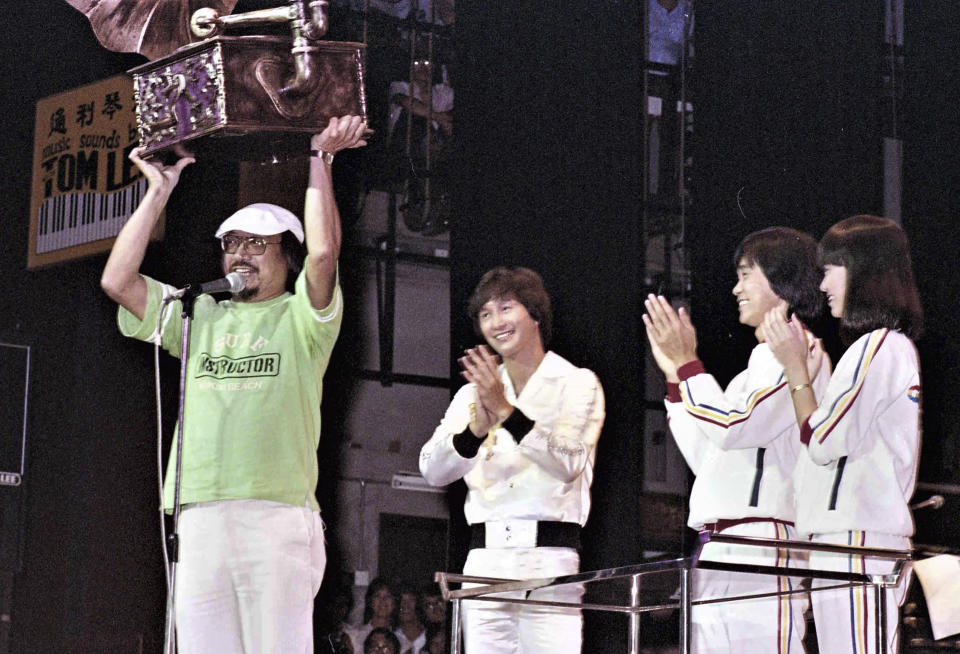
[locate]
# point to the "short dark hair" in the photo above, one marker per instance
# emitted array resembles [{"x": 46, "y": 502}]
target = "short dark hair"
[
  {"x": 881, "y": 291},
  {"x": 515, "y": 282},
  {"x": 788, "y": 259},
  {"x": 293, "y": 250},
  {"x": 383, "y": 631}
]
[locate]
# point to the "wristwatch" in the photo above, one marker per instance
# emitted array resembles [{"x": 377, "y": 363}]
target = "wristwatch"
[{"x": 323, "y": 154}]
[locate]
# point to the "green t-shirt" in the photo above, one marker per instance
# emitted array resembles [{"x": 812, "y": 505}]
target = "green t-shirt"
[{"x": 253, "y": 389}]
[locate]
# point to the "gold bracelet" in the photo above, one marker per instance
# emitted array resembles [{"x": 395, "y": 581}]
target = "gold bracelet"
[{"x": 798, "y": 387}]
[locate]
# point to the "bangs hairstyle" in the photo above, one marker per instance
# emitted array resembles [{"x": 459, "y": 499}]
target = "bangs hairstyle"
[
  {"x": 519, "y": 283},
  {"x": 881, "y": 291},
  {"x": 788, "y": 259}
]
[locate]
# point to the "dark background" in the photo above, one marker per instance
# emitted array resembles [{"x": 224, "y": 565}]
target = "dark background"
[{"x": 549, "y": 113}]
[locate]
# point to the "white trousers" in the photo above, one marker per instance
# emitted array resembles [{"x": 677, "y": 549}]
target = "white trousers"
[
  {"x": 772, "y": 625},
  {"x": 247, "y": 576},
  {"x": 502, "y": 628},
  {"x": 846, "y": 617}
]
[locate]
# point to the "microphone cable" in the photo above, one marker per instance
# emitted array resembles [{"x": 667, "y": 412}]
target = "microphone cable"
[{"x": 169, "y": 643}]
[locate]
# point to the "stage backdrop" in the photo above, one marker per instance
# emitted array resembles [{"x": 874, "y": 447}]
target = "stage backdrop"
[{"x": 548, "y": 100}]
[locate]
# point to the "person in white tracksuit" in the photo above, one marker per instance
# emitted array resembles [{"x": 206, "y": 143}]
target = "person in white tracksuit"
[
  {"x": 522, "y": 434},
  {"x": 862, "y": 436},
  {"x": 742, "y": 444}
]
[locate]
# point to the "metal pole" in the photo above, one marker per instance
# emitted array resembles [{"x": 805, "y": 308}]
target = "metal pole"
[
  {"x": 892, "y": 93},
  {"x": 635, "y": 616},
  {"x": 455, "y": 627},
  {"x": 880, "y": 600},
  {"x": 173, "y": 539},
  {"x": 685, "y": 611}
]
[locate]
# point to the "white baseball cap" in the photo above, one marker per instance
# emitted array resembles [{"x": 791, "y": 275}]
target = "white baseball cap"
[{"x": 263, "y": 219}]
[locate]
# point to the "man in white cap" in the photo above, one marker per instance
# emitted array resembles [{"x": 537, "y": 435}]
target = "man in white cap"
[{"x": 251, "y": 540}]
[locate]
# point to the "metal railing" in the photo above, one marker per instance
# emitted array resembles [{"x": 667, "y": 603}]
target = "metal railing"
[{"x": 489, "y": 589}]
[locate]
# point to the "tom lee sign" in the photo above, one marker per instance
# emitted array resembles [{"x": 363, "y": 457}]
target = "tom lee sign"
[{"x": 84, "y": 186}]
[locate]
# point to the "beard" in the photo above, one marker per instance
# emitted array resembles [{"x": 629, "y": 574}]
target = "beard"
[
  {"x": 248, "y": 291},
  {"x": 246, "y": 294}
]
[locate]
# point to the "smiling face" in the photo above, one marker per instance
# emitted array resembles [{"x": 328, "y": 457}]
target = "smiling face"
[
  {"x": 383, "y": 603},
  {"x": 265, "y": 274},
  {"x": 380, "y": 644},
  {"x": 834, "y": 284},
  {"x": 508, "y": 328},
  {"x": 754, "y": 295}
]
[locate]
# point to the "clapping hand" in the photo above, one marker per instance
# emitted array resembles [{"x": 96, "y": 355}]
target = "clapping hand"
[
  {"x": 481, "y": 368},
  {"x": 673, "y": 339}
]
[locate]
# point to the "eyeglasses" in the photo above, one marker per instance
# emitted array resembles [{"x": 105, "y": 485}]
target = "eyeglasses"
[{"x": 254, "y": 244}]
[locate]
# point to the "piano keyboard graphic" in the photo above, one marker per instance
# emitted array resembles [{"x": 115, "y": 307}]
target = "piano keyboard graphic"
[{"x": 79, "y": 218}]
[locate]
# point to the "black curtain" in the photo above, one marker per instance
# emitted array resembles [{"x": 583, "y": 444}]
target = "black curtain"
[
  {"x": 931, "y": 133},
  {"x": 787, "y": 132},
  {"x": 548, "y": 115}
]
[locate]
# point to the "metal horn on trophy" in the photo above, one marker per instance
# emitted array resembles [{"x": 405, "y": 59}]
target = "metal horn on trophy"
[{"x": 252, "y": 95}]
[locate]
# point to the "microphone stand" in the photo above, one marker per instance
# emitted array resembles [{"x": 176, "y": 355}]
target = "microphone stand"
[{"x": 173, "y": 538}]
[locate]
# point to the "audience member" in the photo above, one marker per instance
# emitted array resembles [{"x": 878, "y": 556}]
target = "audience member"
[
  {"x": 670, "y": 25},
  {"x": 418, "y": 143},
  {"x": 381, "y": 641},
  {"x": 333, "y": 636},
  {"x": 410, "y": 630},
  {"x": 380, "y": 608},
  {"x": 434, "y": 606}
]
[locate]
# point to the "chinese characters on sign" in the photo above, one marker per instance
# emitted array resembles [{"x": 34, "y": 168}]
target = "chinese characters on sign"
[{"x": 84, "y": 185}]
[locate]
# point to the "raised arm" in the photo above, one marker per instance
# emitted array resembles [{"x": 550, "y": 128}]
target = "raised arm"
[
  {"x": 672, "y": 337},
  {"x": 751, "y": 412},
  {"x": 121, "y": 278},
  {"x": 320, "y": 214},
  {"x": 788, "y": 343}
]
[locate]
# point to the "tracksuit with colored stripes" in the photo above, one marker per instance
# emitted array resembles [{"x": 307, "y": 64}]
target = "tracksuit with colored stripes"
[
  {"x": 742, "y": 443},
  {"x": 855, "y": 480}
]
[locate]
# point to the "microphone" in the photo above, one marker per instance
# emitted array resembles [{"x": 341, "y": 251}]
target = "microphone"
[
  {"x": 933, "y": 502},
  {"x": 233, "y": 283}
]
